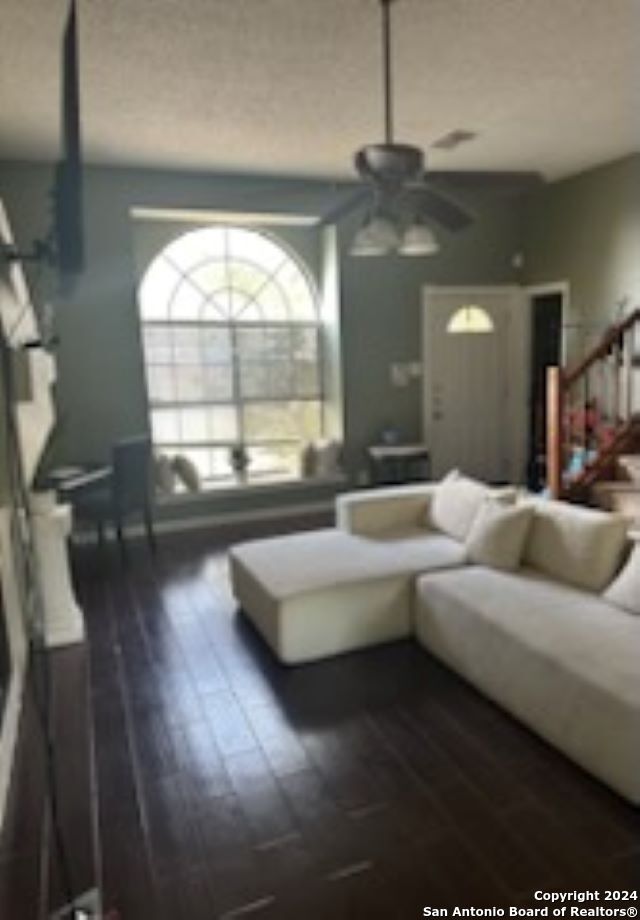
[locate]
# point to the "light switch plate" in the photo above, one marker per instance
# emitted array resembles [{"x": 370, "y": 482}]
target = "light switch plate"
[{"x": 399, "y": 374}]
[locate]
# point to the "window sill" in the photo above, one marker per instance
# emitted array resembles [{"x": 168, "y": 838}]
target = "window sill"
[{"x": 235, "y": 488}]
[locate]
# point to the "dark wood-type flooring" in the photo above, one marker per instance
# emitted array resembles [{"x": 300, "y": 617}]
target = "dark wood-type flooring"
[{"x": 227, "y": 786}]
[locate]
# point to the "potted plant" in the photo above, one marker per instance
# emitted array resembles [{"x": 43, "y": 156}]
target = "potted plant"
[{"x": 239, "y": 459}]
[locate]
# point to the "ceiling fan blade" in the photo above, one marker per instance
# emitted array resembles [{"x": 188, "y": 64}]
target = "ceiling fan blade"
[
  {"x": 440, "y": 208},
  {"x": 506, "y": 182},
  {"x": 351, "y": 201}
]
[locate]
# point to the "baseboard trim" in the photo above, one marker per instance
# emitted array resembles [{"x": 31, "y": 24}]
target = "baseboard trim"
[
  {"x": 9, "y": 734},
  {"x": 65, "y": 629},
  {"x": 217, "y": 520},
  {"x": 16, "y": 635}
]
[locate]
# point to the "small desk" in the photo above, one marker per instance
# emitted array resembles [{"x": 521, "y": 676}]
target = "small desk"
[{"x": 393, "y": 464}]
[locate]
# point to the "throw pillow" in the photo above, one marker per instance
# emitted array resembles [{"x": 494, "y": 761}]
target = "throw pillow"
[
  {"x": 164, "y": 475},
  {"x": 328, "y": 457},
  {"x": 625, "y": 590},
  {"x": 455, "y": 502},
  {"x": 498, "y": 534},
  {"x": 187, "y": 473},
  {"x": 576, "y": 545},
  {"x": 308, "y": 461}
]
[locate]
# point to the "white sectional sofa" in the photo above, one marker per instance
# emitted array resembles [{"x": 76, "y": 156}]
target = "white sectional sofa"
[{"x": 540, "y": 638}]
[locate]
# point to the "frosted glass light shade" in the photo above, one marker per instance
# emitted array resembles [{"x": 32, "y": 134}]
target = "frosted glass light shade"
[
  {"x": 376, "y": 237},
  {"x": 418, "y": 240},
  {"x": 470, "y": 320}
]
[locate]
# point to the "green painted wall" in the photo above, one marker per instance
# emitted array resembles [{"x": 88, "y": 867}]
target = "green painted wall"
[
  {"x": 101, "y": 387},
  {"x": 382, "y": 314},
  {"x": 586, "y": 230}
]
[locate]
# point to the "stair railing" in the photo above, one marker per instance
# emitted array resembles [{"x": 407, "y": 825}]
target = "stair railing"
[{"x": 591, "y": 408}]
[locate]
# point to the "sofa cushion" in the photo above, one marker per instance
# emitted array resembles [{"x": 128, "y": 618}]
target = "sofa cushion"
[
  {"x": 454, "y": 504},
  {"x": 564, "y": 662},
  {"x": 326, "y": 591},
  {"x": 625, "y": 590},
  {"x": 579, "y": 546},
  {"x": 304, "y": 562},
  {"x": 498, "y": 534}
]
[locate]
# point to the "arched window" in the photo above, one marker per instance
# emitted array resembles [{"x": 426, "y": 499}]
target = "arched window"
[{"x": 230, "y": 332}]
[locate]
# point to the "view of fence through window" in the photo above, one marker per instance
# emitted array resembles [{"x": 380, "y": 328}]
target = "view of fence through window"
[{"x": 231, "y": 341}]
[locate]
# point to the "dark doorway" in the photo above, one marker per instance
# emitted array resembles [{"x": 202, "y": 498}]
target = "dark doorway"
[{"x": 546, "y": 351}]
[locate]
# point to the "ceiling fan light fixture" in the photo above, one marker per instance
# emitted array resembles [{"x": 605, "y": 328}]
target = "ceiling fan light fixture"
[
  {"x": 418, "y": 240},
  {"x": 376, "y": 237}
]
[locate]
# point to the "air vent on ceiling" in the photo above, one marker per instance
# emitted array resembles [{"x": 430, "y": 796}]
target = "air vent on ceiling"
[{"x": 454, "y": 139}]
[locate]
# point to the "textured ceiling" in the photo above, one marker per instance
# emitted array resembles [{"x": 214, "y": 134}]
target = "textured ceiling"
[{"x": 293, "y": 86}]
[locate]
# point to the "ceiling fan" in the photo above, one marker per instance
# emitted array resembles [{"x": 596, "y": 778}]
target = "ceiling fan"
[{"x": 399, "y": 188}]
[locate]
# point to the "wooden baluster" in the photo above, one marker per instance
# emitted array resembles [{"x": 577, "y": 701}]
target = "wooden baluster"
[
  {"x": 585, "y": 411},
  {"x": 628, "y": 373},
  {"x": 603, "y": 395},
  {"x": 555, "y": 431},
  {"x": 616, "y": 381},
  {"x": 634, "y": 354}
]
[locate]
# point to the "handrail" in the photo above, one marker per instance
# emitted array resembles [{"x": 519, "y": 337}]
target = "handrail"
[{"x": 602, "y": 348}]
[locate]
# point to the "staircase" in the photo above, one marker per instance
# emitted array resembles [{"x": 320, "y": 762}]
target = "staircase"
[
  {"x": 621, "y": 494},
  {"x": 593, "y": 424}
]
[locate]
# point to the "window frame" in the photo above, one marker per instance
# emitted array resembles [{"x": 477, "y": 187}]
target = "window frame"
[{"x": 233, "y": 324}]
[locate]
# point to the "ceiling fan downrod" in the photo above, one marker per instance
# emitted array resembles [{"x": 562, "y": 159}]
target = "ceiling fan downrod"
[
  {"x": 388, "y": 164},
  {"x": 387, "y": 87}
]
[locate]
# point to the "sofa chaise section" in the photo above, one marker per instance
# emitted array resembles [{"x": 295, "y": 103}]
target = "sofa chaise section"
[
  {"x": 563, "y": 661},
  {"x": 316, "y": 594}
]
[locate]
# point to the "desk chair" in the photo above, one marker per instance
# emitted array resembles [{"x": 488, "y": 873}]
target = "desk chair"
[{"x": 114, "y": 493}]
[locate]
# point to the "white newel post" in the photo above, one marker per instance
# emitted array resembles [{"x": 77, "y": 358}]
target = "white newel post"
[{"x": 64, "y": 623}]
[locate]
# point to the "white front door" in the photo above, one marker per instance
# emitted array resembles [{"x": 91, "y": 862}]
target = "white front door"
[{"x": 467, "y": 401}]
